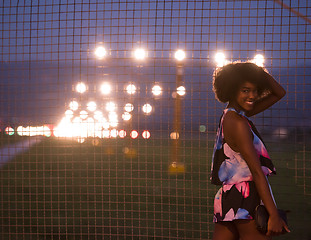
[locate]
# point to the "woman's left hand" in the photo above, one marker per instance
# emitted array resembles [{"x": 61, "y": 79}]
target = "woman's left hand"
[{"x": 276, "y": 226}]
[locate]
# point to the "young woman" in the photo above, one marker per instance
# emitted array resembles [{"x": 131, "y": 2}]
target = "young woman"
[{"x": 240, "y": 159}]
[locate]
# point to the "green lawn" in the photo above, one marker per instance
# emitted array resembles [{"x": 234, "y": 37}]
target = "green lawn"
[{"x": 122, "y": 189}]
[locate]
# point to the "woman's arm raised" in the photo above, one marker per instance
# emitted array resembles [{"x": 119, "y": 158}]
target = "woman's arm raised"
[{"x": 276, "y": 92}]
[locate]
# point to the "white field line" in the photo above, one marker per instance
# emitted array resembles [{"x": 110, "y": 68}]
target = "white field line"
[{"x": 10, "y": 151}]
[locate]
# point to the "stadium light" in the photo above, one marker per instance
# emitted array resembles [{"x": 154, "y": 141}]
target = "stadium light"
[
  {"x": 147, "y": 108},
  {"x": 126, "y": 116},
  {"x": 156, "y": 90},
  {"x": 122, "y": 133},
  {"x": 181, "y": 91},
  {"x": 69, "y": 114},
  {"x": 220, "y": 59},
  {"x": 140, "y": 54},
  {"x": 74, "y": 105},
  {"x": 134, "y": 134},
  {"x": 105, "y": 88},
  {"x": 129, "y": 107},
  {"x": 83, "y": 114},
  {"x": 259, "y": 60},
  {"x": 180, "y": 55},
  {"x": 81, "y": 87},
  {"x": 91, "y": 106},
  {"x": 146, "y": 134},
  {"x": 100, "y": 52},
  {"x": 111, "y": 106},
  {"x": 131, "y": 89}
]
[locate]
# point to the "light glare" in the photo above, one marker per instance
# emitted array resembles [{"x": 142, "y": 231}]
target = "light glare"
[
  {"x": 126, "y": 116},
  {"x": 91, "y": 106},
  {"x": 129, "y": 107},
  {"x": 146, "y": 134},
  {"x": 156, "y": 90},
  {"x": 81, "y": 87},
  {"x": 105, "y": 88},
  {"x": 100, "y": 52},
  {"x": 111, "y": 106},
  {"x": 220, "y": 59},
  {"x": 131, "y": 89},
  {"x": 259, "y": 60},
  {"x": 147, "y": 108},
  {"x": 181, "y": 90},
  {"x": 180, "y": 55},
  {"x": 140, "y": 54},
  {"x": 73, "y": 105}
]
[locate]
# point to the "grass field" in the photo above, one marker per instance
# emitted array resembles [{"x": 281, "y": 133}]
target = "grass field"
[{"x": 121, "y": 189}]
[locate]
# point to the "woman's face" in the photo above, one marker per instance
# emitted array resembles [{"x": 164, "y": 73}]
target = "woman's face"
[{"x": 246, "y": 96}]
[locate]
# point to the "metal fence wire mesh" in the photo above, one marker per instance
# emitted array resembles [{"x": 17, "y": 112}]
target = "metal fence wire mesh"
[{"x": 106, "y": 135}]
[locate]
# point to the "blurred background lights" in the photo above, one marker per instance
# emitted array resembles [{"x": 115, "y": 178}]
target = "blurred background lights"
[
  {"x": 147, "y": 108},
  {"x": 181, "y": 91},
  {"x": 131, "y": 89},
  {"x": 129, "y": 107},
  {"x": 134, "y": 134},
  {"x": 69, "y": 113},
  {"x": 126, "y": 116},
  {"x": 122, "y": 133},
  {"x": 174, "y": 135},
  {"x": 9, "y": 131},
  {"x": 81, "y": 87},
  {"x": 91, "y": 106},
  {"x": 73, "y": 105},
  {"x": 140, "y": 54},
  {"x": 146, "y": 134},
  {"x": 220, "y": 59},
  {"x": 105, "y": 88},
  {"x": 100, "y": 52},
  {"x": 156, "y": 90},
  {"x": 98, "y": 115},
  {"x": 111, "y": 106},
  {"x": 83, "y": 114},
  {"x": 180, "y": 55},
  {"x": 259, "y": 60},
  {"x": 114, "y": 133}
]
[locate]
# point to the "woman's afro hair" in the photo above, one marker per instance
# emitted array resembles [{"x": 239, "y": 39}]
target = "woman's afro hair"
[{"x": 228, "y": 79}]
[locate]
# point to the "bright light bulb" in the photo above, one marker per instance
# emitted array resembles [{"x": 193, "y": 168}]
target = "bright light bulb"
[
  {"x": 134, "y": 134},
  {"x": 156, "y": 90},
  {"x": 111, "y": 106},
  {"x": 100, "y": 52},
  {"x": 146, "y": 134},
  {"x": 122, "y": 133},
  {"x": 131, "y": 89},
  {"x": 91, "y": 106},
  {"x": 180, "y": 55},
  {"x": 140, "y": 54},
  {"x": 83, "y": 114},
  {"x": 81, "y": 87},
  {"x": 147, "y": 108},
  {"x": 181, "y": 90},
  {"x": 105, "y": 88},
  {"x": 126, "y": 116},
  {"x": 73, "y": 105},
  {"x": 220, "y": 59},
  {"x": 98, "y": 115},
  {"x": 259, "y": 60},
  {"x": 69, "y": 114},
  {"x": 129, "y": 107}
]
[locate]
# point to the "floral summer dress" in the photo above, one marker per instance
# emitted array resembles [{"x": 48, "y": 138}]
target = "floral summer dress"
[{"x": 238, "y": 197}]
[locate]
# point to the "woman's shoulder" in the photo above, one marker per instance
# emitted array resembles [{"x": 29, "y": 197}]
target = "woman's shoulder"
[{"x": 234, "y": 120}]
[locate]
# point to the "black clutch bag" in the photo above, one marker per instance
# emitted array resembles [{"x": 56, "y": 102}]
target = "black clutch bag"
[{"x": 262, "y": 217}]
